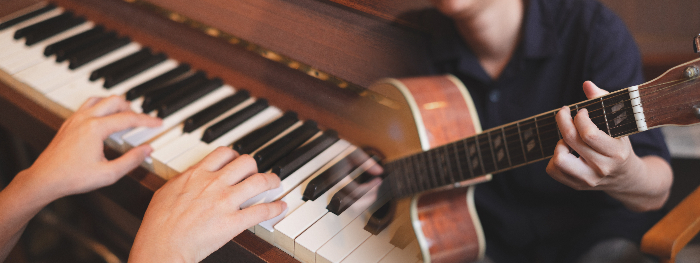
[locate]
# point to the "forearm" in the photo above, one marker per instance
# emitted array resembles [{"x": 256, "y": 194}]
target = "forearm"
[
  {"x": 647, "y": 186},
  {"x": 20, "y": 201}
]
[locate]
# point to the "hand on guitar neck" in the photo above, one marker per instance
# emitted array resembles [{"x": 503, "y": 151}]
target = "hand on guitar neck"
[{"x": 605, "y": 163}]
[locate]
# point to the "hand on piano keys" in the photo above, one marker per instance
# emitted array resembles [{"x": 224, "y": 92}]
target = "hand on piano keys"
[
  {"x": 197, "y": 212},
  {"x": 69, "y": 63}
]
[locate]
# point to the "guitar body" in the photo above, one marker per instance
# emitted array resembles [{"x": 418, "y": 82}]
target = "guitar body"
[{"x": 444, "y": 220}]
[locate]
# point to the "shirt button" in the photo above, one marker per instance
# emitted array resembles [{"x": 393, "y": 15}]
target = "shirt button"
[{"x": 494, "y": 96}]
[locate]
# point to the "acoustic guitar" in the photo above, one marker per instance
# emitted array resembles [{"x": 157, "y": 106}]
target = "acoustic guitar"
[{"x": 457, "y": 153}]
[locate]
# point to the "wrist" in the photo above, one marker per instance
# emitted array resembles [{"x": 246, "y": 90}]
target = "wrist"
[{"x": 27, "y": 187}]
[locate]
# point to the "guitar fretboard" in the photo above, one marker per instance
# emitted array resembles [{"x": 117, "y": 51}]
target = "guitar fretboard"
[{"x": 507, "y": 146}]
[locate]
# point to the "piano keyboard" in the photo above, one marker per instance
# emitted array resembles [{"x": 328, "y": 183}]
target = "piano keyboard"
[{"x": 329, "y": 185}]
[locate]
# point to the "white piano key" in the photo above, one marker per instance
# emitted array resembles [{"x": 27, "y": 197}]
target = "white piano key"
[
  {"x": 399, "y": 232},
  {"x": 27, "y": 56},
  {"x": 141, "y": 135},
  {"x": 352, "y": 236},
  {"x": 408, "y": 254},
  {"x": 330, "y": 224},
  {"x": 185, "y": 141},
  {"x": 294, "y": 197},
  {"x": 197, "y": 153},
  {"x": 298, "y": 176},
  {"x": 7, "y": 36},
  {"x": 307, "y": 214},
  {"x": 49, "y": 75}
]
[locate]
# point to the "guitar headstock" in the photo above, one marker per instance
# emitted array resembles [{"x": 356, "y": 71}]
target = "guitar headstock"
[{"x": 674, "y": 97}]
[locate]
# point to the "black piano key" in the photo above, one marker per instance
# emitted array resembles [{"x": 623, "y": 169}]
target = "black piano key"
[
  {"x": 353, "y": 191},
  {"x": 156, "y": 82},
  {"x": 154, "y": 98},
  {"x": 90, "y": 54},
  {"x": 120, "y": 64},
  {"x": 324, "y": 181},
  {"x": 195, "y": 121},
  {"x": 267, "y": 156},
  {"x": 381, "y": 218},
  {"x": 257, "y": 138},
  {"x": 53, "y": 30},
  {"x": 43, "y": 25},
  {"x": 117, "y": 77},
  {"x": 79, "y": 38},
  {"x": 215, "y": 131},
  {"x": 169, "y": 107},
  {"x": 290, "y": 163},
  {"x": 78, "y": 46},
  {"x": 26, "y": 16}
]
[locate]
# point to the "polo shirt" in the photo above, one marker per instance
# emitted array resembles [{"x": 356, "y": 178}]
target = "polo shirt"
[{"x": 526, "y": 215}]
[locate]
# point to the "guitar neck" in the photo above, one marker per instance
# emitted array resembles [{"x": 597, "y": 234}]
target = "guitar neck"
[{"x": 515, "y": 144}]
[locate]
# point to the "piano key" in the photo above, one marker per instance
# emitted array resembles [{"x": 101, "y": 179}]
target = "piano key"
[
  {"x": 25, "y": 14},
  {"x": 352, "y": 236},
  {"x": 257, "y": 138},
  {"x": 43, "y": 25},
  {"x": 180, "y": 100},
  {"x": 302, "y": 155},
  {"x": 85, "y": 56},
  {"x": 156, "y": 82},
  {"x": 120, "y": 64},
  {"x": 141, "y": 135},
  {"x": 215, "y": 131},
  {"x": 197, "y": 153},
  {"x": 330, "y": 224},
  {"x": 168, "y": 148},
  {"x": 208, "y": 114},
  {"x": 397, "y": 235},
  {"x": 119, "y": 76},
  {"x": 408, "y": 254},
  {"x": 71, "y": 42},
  {"x": 66, "y": 43},
  {"x": 353, "y": 191},
  {"x": 321, "y": 184},
  {"x": 26, "y": 57},
  {"x": 154, "y": 98},
  {"x": 44, "y": 33},
  {"x": 49, "y": 75},
  {"x": 10, "y": 44},
  {"x": 303, "y": 217},
  {"x": 73, "y": 94},
  {"x": 7, "y": 35},
  {"x": 267, "y": 156}
]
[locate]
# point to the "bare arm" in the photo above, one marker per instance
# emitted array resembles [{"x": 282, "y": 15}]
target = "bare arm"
[
  {"x": 607, "y": 164},
  {"x": 73, "y": 163}
]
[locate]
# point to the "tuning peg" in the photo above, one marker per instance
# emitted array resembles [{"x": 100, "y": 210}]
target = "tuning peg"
[{"x": 696, "y": 44}]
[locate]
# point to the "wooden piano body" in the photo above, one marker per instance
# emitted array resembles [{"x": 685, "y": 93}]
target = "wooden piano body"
[{"x": 315, "y": 57}]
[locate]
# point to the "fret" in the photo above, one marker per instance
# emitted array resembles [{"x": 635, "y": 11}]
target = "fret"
[
  {"x": 555, "y": 122},
  {"x": 512, "y": 141},
  {"x": 478, "y": 162},
  {"x": 458, "y": 164},
  {"x": 505, "y": 145},
  {"x": 409, "y": 171},
  {"x": 434, "y": 160},
  {"x": 499, "y": 151},
  {"x": 427, "y": 172},
  {"x": 493, "y": 150},
  {"x": 448, "y": 173},
  {"x": 539, "y": 138},
  {"x": 468, "y": 157},
  {"x": 549, "y": 133},
  {"x": 522, "y": 145},
  {"x": 531, "y": 143},
  {"x": 605, "y": 115},
  {"x": 486, "y": 153},
  {"x": 621, "y": 117}
]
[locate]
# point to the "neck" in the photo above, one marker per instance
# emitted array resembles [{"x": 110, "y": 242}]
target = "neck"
[{"x": 492, "y": 33}]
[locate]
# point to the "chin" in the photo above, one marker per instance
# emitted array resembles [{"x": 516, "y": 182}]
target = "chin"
[{"x": 452, "y": 8}]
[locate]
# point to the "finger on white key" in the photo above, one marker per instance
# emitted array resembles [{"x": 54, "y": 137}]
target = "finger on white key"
[{"x": 32, "y": 55}]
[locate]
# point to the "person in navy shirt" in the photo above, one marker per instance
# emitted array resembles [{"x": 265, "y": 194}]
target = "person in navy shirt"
[{"x": 519, "y": 58}]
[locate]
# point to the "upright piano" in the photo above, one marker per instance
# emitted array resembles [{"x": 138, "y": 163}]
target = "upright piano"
[{"x": 316, "y": 58}]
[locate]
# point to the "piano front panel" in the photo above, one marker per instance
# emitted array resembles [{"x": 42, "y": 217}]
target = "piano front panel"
[{"x": 284, "y": 230}]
